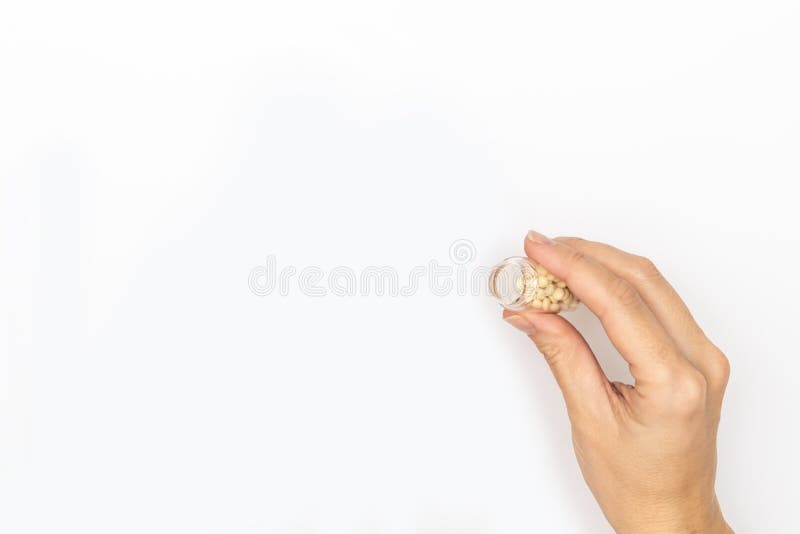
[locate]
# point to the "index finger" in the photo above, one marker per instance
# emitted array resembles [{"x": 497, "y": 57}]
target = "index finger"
[
  {"x": 630, "y": 324},
  {"x": 668, "y": 307}
]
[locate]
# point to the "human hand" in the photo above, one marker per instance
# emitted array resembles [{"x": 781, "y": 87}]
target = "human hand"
[{"x": 647, "y": 451}]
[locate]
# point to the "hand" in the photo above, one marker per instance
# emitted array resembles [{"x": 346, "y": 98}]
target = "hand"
[{"x": 647, "y": 450}]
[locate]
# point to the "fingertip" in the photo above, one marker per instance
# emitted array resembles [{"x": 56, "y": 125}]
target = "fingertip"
[
  {"x": 538, "y": 239},
  {"x": 520, "y": 322},
  {"x": 540, "y": 249}
]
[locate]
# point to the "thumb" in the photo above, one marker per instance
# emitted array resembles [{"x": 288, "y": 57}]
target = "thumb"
[{"x": 572, "y": 362}]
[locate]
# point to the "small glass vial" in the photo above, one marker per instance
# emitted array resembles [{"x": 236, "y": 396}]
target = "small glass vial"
[{"x": 519, "y": 284}]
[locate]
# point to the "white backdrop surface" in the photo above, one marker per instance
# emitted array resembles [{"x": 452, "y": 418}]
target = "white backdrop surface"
[{"x": 153, "y": 154}]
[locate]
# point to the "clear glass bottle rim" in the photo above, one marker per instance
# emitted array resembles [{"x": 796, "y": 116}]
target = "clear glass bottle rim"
[{"x": 508, "y": 280}]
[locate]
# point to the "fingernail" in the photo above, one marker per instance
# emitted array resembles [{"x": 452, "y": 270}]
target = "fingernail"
[
  {"x": 538, "y": 238},
  {"x": 520, "y": 323}
]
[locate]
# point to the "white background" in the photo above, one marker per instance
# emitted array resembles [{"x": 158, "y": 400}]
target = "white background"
[{"x": 153, "y": 153}]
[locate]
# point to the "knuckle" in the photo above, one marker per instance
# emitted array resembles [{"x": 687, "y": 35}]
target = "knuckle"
[
  {"x": 577, "y": 259},
  {"x": 554, "y": 353},
  {"x": 557, "y": 350},
  {"x": 719, "y": 368},
  {"x": 645, "y": 268},
  {"x": 688, "y": 395},
  {"x": 623, "y": 292}
]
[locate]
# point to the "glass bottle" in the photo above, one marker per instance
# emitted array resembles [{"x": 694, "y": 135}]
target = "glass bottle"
[{"x": 518, "y": 283}]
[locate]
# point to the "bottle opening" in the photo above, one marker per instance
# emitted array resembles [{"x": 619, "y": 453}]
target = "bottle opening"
[{"x": 512, "y": 283}]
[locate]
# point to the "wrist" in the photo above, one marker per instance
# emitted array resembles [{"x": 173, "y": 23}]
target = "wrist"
[{"x": 680, "y": 520}]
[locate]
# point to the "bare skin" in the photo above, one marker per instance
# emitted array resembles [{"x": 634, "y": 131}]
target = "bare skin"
[{"x": 647, "y": 450}]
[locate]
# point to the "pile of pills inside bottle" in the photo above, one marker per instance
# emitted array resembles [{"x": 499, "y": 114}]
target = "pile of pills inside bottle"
[{"x": 518, "y": 283}]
